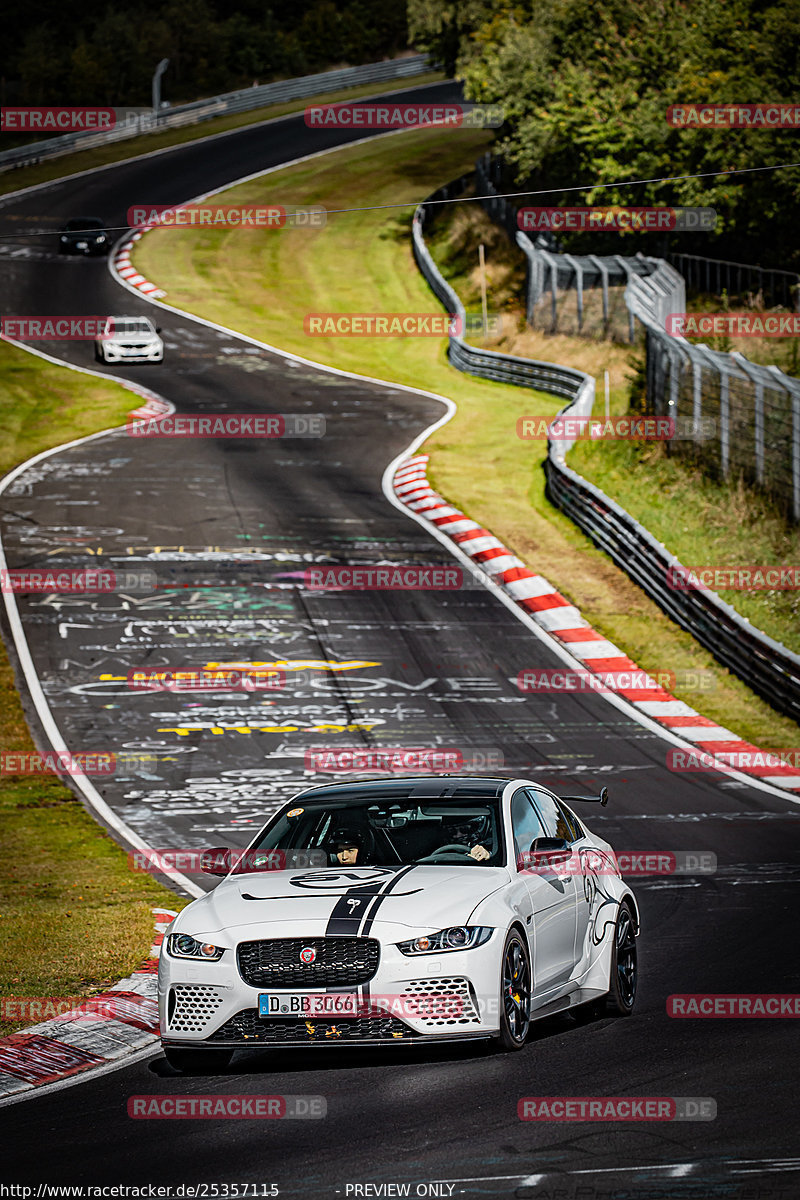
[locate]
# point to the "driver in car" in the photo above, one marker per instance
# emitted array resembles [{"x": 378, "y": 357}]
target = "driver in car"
[
  {"x": 348, "y": 848},
  {"x": 468, "y": 835}
]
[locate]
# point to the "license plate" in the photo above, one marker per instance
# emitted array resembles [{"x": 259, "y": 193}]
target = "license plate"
[
  {"x": 83, "y": 246},
  {"x": 308, "y": 1004}
]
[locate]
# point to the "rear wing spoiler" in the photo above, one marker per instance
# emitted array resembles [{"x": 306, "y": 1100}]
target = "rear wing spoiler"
[{"x": 602, "y": 798}]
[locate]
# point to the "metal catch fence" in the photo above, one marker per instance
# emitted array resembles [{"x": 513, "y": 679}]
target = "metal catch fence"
[{"x": 736, "y": 418}]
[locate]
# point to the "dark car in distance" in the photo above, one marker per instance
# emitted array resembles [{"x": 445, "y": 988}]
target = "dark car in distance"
[{"x": 84, "y": 235}]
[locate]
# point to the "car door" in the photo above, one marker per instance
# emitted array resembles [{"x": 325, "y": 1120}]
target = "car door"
[
  {"x": 585, "y": 882},
  {"x": 559, "y": 822},
  {"x": 552, "y": 896}
]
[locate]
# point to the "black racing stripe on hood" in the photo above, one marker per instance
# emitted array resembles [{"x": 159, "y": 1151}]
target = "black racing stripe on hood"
[
  {"x": 370, "y": 917},
  {"x": 348, "y": 912},
  {"x": 352, "y": 908}
]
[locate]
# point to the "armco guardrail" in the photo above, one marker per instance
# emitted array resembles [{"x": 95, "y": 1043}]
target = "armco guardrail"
[
  {"x": 765, "y": 665},
  {"x": 768, "y": 667},
  {"x": 217, "y": 106},
  {"x": 488, "y": 364}
]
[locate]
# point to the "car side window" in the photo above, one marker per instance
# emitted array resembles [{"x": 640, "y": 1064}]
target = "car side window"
[
  {"x": 573, "y": 822},
  {"x": 525, "y": 823},
  {"x": 553, "y": 817}
]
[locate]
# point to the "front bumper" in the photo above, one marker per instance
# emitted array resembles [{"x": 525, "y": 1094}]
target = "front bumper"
[
  {"x": 447, "y": 997},
  {"x": 113, "y": 354},
  {"x": 84, "y": 251}
]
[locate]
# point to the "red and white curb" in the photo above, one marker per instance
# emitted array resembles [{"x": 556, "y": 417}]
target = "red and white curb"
[
  {"x": 153, "y": 406},
  {"x": 126, "y": 270},
  {"x": 87, "y": 1038},
  {"x": 563, "y": 622}
]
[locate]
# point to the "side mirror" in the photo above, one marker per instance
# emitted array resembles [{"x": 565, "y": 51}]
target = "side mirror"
[
  {"x": 548, "y": 852},
  {"x": 216, "y": 861},
  {"x": 542, "y": 845},
  {"x": 158, "y": 329}
]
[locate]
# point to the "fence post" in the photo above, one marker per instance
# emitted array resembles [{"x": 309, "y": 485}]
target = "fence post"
[
  {"x": 576, "y": 266},
  {"x": 724, "y": 422},
  {"x": 697, "y": 397},
  {"x": 603, "y": 269},
  {"x": 553, "y": 265}
]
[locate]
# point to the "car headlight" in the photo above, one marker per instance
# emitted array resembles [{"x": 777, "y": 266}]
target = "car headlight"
[
  {"x": 183, "y": 945},
  {"x": 101, "y": 238},
  {"x": 64, "y": 237},
  {"x": 459, "y": 937}
]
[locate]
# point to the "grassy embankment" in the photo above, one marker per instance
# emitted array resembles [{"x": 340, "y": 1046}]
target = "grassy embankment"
[{"x": 73, "y": 917}]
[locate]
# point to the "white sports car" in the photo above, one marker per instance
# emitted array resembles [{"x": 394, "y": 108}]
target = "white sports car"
[
  {"x": 400, "y": 910},
  {"x": 129, "y": 339}
]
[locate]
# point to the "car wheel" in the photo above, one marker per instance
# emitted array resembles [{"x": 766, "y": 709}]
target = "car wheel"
[
  {"x": 197, "y": 1062},
  {"x": 624, "y": 965},
  {"x": 515, "y": 994}
]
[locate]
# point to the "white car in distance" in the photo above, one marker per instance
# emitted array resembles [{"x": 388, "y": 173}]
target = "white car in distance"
[{"x": 129, "y": 339}]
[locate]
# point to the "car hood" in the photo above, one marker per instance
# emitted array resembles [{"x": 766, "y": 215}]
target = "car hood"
[
  {"x": 424, "y": 897},
  {"x": 132, "y": 339}
]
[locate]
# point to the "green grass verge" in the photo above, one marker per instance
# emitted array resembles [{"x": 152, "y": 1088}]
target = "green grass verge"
[
  {"x": 73, "y": 917},
  {"x": 43, "y": 405},
  {"x": 702, "y": 521},
  {"x": 100, "y": 156},
  {"x": 263, "y": 283}
]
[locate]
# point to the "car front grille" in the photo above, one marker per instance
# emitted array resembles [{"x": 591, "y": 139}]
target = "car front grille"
[
  {"x": 338, "y": 962},
  {"x": 247, "y": 1026}
]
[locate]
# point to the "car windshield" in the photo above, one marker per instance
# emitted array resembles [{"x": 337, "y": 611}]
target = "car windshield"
[
  {"x": 83, "y": 224},
  {"x": 128, "y": 325},
  {"x": 386, "y": 833}
]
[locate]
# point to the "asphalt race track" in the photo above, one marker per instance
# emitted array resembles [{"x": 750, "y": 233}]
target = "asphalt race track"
[{"x": 231, "y": 525}]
